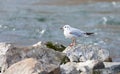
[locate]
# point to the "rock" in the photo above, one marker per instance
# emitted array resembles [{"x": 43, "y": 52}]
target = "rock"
[
  {"x": 110, "y": 68},
  {"x": 80, "y": 67},
  {"x": 22, "y": 67},
  {"x": 69, "y": 68},
  {"x": 32, "y": 66},
  {"x": 3, "y": 49},
  {"x": 113, "y": 66},
  {"x": 65, "y": 60},
  {"x": 82, "y": 52},
  {"x": 57, "y": 46},
  {"x": 99, "y": 65},
  {"x": 47, "y": 58},
  {"x": 116, "y": 68},
  {"x": 90, "y": 65}
]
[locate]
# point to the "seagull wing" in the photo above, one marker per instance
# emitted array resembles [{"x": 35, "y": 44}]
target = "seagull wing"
[{"x": 76, "y": 32}]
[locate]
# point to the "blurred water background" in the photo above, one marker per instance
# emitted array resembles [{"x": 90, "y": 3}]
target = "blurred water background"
[{"x": 25, "y": 22}]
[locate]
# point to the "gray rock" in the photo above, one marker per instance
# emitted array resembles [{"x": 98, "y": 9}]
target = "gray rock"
[
  {"x": 47, "y": 58},
  {"x": 110, "y": 68},
  {"x": 114, "y": 67},
  {"x": 80, "y": 67},
  {"x": 69, "y": 68},
  {"x": 32, "y": 66},
  {"x": 22, "y": 67},
  {"x": 82, "y": 52},
  {"x": 3, "y": 49}
]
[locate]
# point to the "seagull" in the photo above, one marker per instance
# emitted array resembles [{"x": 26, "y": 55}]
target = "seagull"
[{"x": 73, "y": 33}]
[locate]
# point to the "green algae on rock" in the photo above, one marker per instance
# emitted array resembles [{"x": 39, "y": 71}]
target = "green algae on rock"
[{"x": 56, "y": 47}]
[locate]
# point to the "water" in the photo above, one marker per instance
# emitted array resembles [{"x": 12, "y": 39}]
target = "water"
[{"x": 25, "y": 22}]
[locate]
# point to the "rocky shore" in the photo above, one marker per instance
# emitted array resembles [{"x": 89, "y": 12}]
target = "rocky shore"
[{"x": 50, "y": 58}]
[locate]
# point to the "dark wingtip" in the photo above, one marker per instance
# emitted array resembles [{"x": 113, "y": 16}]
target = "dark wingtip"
[{"x": 89, "y": 33}]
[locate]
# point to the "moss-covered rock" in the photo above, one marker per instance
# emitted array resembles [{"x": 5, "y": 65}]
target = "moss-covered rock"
[{"x": 56, "y": 47}]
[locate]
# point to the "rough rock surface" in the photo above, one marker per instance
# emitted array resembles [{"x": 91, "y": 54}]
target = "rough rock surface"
[
  {"x": 69, "y": 68},
  {"x": 47, "y": 58},
  {"x": 80, "y": 67},
  {"x": 30, "y": 66},
  {"x": 3, "y": 49},
  {"x": 114, "y": 67},
  {"x": 23, "y": 67},
  {"x": 83, "y": 52},
  {"x": 39, "y": 59},
  {"x": 110, "y": 68}
]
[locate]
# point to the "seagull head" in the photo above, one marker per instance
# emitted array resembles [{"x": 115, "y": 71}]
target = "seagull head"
[{"x": 66, "y": 27}]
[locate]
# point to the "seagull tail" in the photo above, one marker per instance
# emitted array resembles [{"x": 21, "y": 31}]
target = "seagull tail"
[{"x": 89, "y": 33}]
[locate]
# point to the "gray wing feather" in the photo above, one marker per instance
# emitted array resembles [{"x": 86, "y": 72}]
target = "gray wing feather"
[{"x": 77, "y": 32}]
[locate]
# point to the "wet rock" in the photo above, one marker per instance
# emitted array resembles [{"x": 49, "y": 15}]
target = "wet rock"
[
  {"x": 46, "y": 57},
  {"x": 86, "y": 52}
]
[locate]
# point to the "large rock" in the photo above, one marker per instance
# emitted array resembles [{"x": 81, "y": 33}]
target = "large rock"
[
  {"x": 83, "y": 52},
  {"x": 47, "y": 58},
  {"x": 26, "y": 66},
  {"x": 80, "y": 67},
  {"x": 31, "y": 66}
]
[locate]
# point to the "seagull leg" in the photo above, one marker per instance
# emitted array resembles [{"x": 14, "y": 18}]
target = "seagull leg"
[{"x": 73, "y": 42}]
